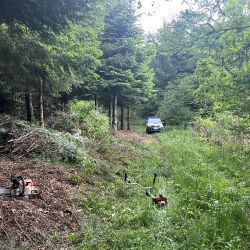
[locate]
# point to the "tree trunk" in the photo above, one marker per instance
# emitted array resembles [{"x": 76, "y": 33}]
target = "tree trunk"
[
  {"x": 13, "y": 104},
  {"x": 110, "y": 112},
  {"x": 122, "y": 117},
  {"x": 128, "y": 118},
  {"x": 64, "y": 102},
  {"x": 115, "y": 114},
  {"x": 29, "y": 107},
  {"x": 96, "y": 103},
  {"x": 41, "y": 102}
]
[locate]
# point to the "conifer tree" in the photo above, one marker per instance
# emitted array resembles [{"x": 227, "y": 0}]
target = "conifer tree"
[{"x": 124, "y": 72}]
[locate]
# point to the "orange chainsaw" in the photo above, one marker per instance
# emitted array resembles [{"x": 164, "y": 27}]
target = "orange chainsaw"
[
  {"x": 159, "y": 200},
  {"x": 20, "y": 187}
]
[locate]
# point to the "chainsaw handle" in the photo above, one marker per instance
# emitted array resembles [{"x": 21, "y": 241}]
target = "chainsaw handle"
[
  {"x": 20, "y": 177},
  {"x": 16, "y": 183}
]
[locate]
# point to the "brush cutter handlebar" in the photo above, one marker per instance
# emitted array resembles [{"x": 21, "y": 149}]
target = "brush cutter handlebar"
[
  {"x": 159, "y": 200},
  {"x": 147, "y": 189}
]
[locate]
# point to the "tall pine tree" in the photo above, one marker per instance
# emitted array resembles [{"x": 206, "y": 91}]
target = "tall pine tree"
[{"x": 124, "y": 73}]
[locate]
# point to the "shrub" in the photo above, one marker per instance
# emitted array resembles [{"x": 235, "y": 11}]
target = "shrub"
[
  {"x": 82, "y": 107},
  {"x": 174, "y": 109},
  {"x": 71, "y": 118},
  {"x": 63, "y": 121},
  {"x": 96, "y": 125}
]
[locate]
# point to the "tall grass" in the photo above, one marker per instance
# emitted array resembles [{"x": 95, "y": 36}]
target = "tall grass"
[
  {"x": 211, "y": 191},
  {"x": 208, "y": 191}
]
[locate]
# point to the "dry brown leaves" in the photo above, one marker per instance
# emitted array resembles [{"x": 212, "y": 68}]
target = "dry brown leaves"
[{"x": 44, "y": 221}]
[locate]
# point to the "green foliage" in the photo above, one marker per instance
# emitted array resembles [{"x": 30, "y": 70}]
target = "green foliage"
[
  {"x": 82, "y": 107},
  {"x": 97, "y": 125},
  {"x": 174, "y": 108},
  {"x": 228, "y": 89},
  {"x": 207, "y": 190},
  {"x": 63, "y": 121},
  {"x": 216, "y": 33},
  {"x": 63, "y": 60},
  {"x": 224, "y": 129},
  {"x": 70, "y": 120},
  {"x": 46, "y": 15},
  {"x": 125, "y": 58},
  {"x": 50, "y": 144}
]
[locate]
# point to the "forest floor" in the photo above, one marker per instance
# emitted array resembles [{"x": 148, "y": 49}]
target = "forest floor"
[
  {"x": 45, "y": 221},
  {"x": 38, "y": 219}
]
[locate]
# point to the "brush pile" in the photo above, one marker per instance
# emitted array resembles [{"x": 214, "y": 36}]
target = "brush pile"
[{"x": 19, "y": 139}]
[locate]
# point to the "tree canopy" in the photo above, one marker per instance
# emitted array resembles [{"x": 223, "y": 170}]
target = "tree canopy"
[
  {"x": 85, "y": 49},
  {"x": 45, "y": 15},
  {"x": 210, "y": 41}
]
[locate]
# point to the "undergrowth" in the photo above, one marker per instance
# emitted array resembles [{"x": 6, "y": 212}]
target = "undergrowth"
[{"x": 207, "y": 187}]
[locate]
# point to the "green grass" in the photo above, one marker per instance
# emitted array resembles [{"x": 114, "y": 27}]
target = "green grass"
[{"x": 207, "y": 188}]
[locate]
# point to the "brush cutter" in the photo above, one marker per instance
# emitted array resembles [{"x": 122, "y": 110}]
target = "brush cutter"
[
  {"x": 20, "y": 187},
  {"x": 158, "y": 200}
]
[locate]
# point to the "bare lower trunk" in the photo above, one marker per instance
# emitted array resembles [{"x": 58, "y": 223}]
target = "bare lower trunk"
[
  {"x": 13, "y": 104},
  {"x": 64, "y": 102},
  {"x": 29, "y": 107},
  {"x": 128, "y": 118},
  {"x": 115, "y": 114},
  {"x": 122, "y": 117},
  {"x": 110, "y": 112},
  {"x": 41, "y": 103},
  {"x": 96, "y": 103}
]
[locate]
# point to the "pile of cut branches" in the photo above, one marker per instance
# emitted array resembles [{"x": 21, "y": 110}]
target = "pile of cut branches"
[
  {"x": 20, "y": 139},
  {"x": 26, "y": 144}
]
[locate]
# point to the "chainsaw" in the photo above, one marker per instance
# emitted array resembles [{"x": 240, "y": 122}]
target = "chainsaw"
[
  {"x": 158, "y": 200},
  {"x": 20, "y": 187}
]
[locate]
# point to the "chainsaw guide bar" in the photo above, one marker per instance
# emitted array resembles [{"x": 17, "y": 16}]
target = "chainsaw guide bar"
[{"x": 5, "y": 191}]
